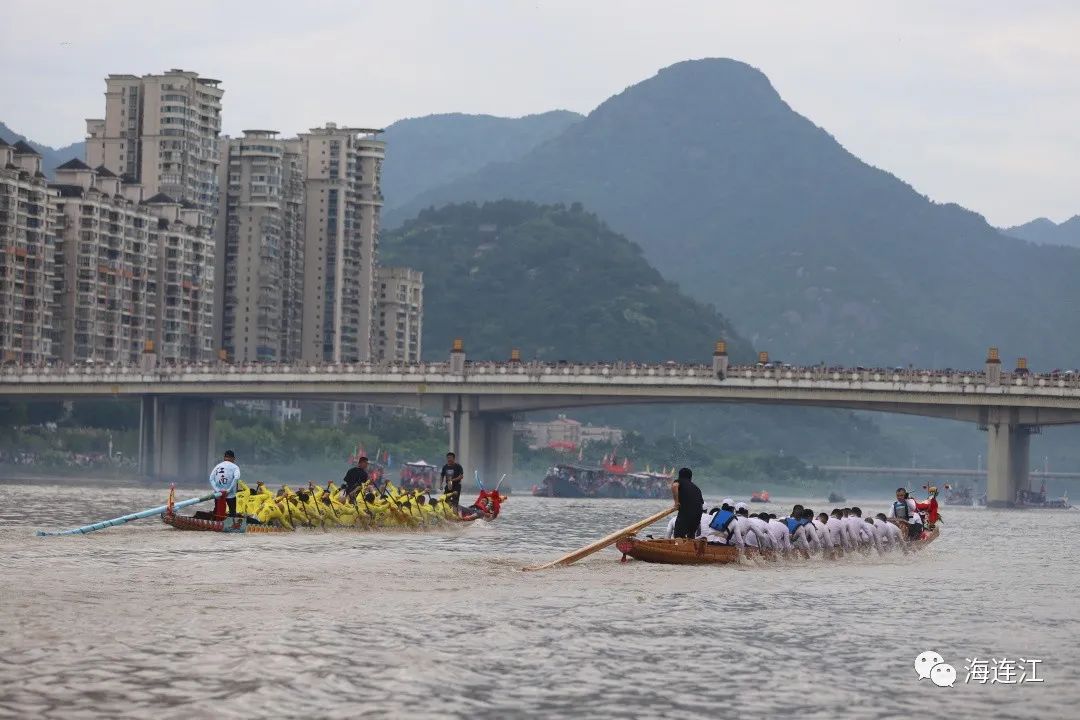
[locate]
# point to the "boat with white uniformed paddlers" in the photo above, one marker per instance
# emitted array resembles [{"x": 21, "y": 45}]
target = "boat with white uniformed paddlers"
[{"x": 683, "y": 551}]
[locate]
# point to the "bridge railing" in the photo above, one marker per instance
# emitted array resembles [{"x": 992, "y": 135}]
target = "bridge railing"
[{"x": 536, "y": 369}]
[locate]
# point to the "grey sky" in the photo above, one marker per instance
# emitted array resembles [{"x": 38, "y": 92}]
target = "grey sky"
[{"x": 970, "y": 102}]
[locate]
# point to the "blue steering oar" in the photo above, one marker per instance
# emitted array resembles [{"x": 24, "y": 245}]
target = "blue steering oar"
[{"x": 125, "y": 518}]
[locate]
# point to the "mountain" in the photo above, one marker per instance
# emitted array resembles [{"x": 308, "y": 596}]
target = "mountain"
[
  {"x": 1047, "y": 232},
  {"x": 423, "y": 153},
  {"x": 555, "y": 282},
  {"x": 558, "y": 283},
  {"x": 819, "y": 256},
  {"x": 50, "y": 157}
]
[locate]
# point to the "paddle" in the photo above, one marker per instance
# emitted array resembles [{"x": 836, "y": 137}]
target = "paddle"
[
  {"x": 603, "y": 542},
  {"x": 127, "y": 518}
]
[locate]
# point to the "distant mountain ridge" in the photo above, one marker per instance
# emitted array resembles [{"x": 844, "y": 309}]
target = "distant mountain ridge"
[
  {"x": 51, "y": 157},
  {"x": 1047, "y": 232},
  {"x": 426, "y": 152},
  {"x": 817, "y": 255}
]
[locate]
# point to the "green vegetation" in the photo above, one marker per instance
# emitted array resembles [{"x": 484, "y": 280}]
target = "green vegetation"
[{"x": 553, "y": 281}]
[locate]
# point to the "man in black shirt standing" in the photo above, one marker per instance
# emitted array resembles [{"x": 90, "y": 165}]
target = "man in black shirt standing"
[
  {"x": 690, "y": 502},
  {"x": 356, "y": 478},
  {"x": 451, "y": 477}
]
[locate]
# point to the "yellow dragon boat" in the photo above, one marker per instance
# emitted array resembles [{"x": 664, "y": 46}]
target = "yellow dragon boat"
[{"x": 260, "y": 510}]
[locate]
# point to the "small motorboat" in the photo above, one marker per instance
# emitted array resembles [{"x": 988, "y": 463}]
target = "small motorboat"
[
  {"x": 835, "y": 497},
  {"x": 761, "y": 496}
]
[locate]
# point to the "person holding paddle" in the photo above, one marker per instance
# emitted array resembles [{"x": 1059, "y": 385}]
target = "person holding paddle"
[{"x": 689, "y": 502}]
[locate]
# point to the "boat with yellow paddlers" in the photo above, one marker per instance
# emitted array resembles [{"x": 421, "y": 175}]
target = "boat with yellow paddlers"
[{"x": 387, "y": 508}]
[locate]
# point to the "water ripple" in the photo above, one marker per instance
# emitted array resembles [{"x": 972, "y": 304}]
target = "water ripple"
[{"x": 143, "y": 619}]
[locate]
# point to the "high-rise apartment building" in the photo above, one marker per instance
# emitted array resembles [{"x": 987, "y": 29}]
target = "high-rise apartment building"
[
  {"x": 342, "y": 169},
  {"x": 162, "y": 131},
  {"x": 106, "y": 267},
  {"x": 185, "y": 321},
  {"x": 260, "y": 235},
  {"x": 128, "y": 270},
  {"x": 399, "y": 312},
  {"x": 26, "y": 256}
]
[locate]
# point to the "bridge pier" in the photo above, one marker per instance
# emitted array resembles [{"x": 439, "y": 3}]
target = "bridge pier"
[
  {"x": 484, "y": 443},
  {"x": 176, "y": 438},
  {"x": 1008, "y": 467}
]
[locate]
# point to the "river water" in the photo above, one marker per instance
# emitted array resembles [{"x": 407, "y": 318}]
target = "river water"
[{"x": 145, "y": 620}]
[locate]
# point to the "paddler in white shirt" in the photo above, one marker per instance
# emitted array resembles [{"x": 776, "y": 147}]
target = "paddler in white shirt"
[
  {"x": 860, "y": 533},
  {"x": 765, "y": 538},
  {"x": 752, "y": 535},
  {"x": 880, "y": 535},
  {"x": 803, "y": 533},
  {"x": 778, "y": 532},
  {"x": 720, "y": 526},
  {"x": 821, "y": 523},
  {"x": 890, "y": 532},
  {"x": 835, "y": 527}
]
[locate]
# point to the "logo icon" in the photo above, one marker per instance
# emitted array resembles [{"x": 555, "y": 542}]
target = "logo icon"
[
  {"x": 926, "y": 662},
  {"x": 943, "y": 675},
  {"x": 930, "y": 665}
]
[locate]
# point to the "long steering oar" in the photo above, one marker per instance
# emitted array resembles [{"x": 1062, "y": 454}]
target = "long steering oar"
[
  {"x": 126, "y": 518},
  {"x": 603, "y": 542}
]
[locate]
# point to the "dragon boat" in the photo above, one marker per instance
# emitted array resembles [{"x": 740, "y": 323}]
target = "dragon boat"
[
  {"x": 261, "y": 511},
  {"x": 682, "y": 551},
  {"x": 227, "y": 525}
]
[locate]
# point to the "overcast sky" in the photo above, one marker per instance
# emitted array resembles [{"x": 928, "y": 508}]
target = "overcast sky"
[{"x": 971, "y": 102}]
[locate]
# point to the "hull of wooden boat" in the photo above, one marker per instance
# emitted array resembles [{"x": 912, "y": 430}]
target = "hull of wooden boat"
[
  {"x": 678, "y": 551},
  {"x": 228, "y": 525}
]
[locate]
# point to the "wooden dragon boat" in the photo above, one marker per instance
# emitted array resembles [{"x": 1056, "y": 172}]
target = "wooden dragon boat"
[
  {"x": 486, "y": 507},
  {"x": 681, "y": 551},
  {"x": 228, "y": 525}
]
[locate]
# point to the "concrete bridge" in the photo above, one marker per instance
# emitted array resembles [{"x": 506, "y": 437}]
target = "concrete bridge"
[{"x": 479, "y": 399}]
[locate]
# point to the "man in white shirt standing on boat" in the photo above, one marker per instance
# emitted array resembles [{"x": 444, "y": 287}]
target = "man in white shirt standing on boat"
[{"x": 224, "y": 478}]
